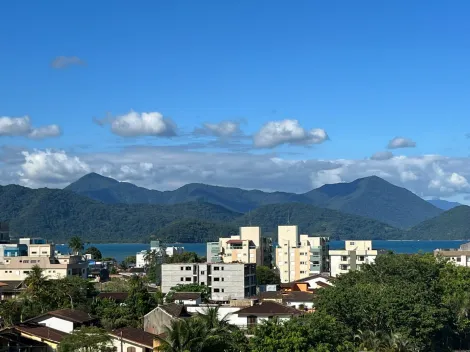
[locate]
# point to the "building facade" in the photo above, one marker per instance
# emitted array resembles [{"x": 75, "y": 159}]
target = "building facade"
[
  {"x": 247, "y": 247},
  {"x": 300, "y": 256},
  {"x": 459, "y": 256},
  {"x": 226, "y": 281},
  {"x": 159, "y": 250},
  {"x": 354, "y": 254}
]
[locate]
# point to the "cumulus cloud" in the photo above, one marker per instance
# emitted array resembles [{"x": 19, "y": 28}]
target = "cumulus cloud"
[
  {"x": 222, "y": 129},
  {"x": 275, "y": 133},
  {"x": 46, "y": 167},
  {"x": 382, "y": 155},
  {"x": 134, "y": 124},
  {"x": 401, "y": 142},
  {"x": 21, "y": 126},
  {"x": 65, "y": 61}
]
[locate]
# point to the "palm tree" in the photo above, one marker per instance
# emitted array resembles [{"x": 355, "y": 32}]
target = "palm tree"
[
  {"x": 183, "y": 335},
  {"x": 369, "y": 340},
  {"x": 76, "y": 245},
  {"x": 37, "y": 289}
]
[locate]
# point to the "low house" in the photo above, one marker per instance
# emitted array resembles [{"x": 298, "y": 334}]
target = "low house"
[
  {"x": 118, "y": 297},
  {"x": 266, "y": 310},
  {"x": 133, "y": 340},
  {"x": 12, "y": 341},
  {"x": 11, "y": 289},
  {"x": 65, "y": 320},
  {"x": 302, "y": 300},
  {"x": 187, "y": 298},
  {"x": 310, "y": 283},
  {"x": 156, "y": 321},
  {"x": 41, "y": 333}
]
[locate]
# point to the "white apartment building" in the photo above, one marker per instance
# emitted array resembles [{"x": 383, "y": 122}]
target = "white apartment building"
[
  {"x": 158, "y": 249},
  {"x": 226, "y": 281},
  {"x": 459, "y": 256},
  {"x": 247, "y": 247},
  {"x": 299, "y": 256},
  {"x": 354, "y": 254}
]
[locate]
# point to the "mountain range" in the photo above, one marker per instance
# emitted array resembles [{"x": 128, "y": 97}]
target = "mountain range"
[
  {"x": 98, "y": 209},
  {"x": 370, "y": 197}
]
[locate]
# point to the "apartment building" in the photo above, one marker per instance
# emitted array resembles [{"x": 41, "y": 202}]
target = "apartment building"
[
  {"x": 226, "y": 281},
  {"x": 459, "y": 256},
  {"x": 17, "y": 260},
  {"x": 300, "y": 256},
  {"x": 247, "y": 247},
  {"x": 159, "y": 250},
  {"x": 354, "y": 254}
]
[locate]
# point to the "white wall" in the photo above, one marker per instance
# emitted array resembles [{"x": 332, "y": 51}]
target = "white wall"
[
  {"x": 306, "y": 304},
  {"x": 58, "y": 324},
  {"x": 117, "y": 343},
  {"x": 229, "y": 312}
]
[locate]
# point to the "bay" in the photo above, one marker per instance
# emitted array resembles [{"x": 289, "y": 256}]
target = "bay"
[{"x": 119, "y": 251}]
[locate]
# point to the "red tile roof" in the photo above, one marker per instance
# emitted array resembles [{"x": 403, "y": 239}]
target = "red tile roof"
[
  {"x": 135, "y": 335},
  {"x": 41, "y": 331},
  {"x": 234, "y": 241},
  {"x": 268, "y": 308},
  {"x": 75, "y": 316}
]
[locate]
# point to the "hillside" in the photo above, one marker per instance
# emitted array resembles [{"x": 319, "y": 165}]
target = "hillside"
[
  {"x": 370, "y": 197},
  {"x": 58, "y": 215},
  {"x": 444, "y": 204},
  {"x": 318, "y": 222},
  {"x": 375, "y": 198},
  {"x": 453, "y": 224}
]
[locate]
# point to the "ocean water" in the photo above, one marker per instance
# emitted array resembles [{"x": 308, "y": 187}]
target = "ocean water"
[{"x": 121, "y": 250}]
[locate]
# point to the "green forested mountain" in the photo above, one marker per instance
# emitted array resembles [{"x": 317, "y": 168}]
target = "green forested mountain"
[
  {"x": 453, "y": 224},
  {"x": 371, "y": 197},
  {"x": 318, "y": 221}
]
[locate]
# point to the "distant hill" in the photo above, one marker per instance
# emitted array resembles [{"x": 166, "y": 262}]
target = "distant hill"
[
  {"x": 370, "y": 197},
  {"x": 60, "y": 214},
  {"x": 444, "y": 204},
  {"x": 318, "y": 222},
  {"x": 453, "y": 224}
]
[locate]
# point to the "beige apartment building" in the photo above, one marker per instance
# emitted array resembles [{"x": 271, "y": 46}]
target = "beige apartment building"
[
  {"x": 299, "y": 256},
  {"x": 354, "y": 254},
  {"x": 17, "y": 267},
  {"x": 248, "y": 247}
]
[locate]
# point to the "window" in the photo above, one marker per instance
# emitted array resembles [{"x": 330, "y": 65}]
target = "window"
[
  {"x": 222, "y": 279},
  {"x": 182, "y": 279},
  {"x": 302, "y": 272},
  {"x": 216, "y": 279},
  {"x": 188, "y": 268},
  {"x": 222, "y": 268},
  {"x": 25, "y": 261},
  {"x": 351, "y": 243},
  {"x": 302, "y": 263},
  {"x": 34, "y": 252},
  {"x": 33, "y": 261},
  {"x": 188, "y": 279},
  {"x": 131, "y": 349},
  {"x": 202, "y": 283},
  {"x": 216, "y": 290},
  {"x": 361, "y": 258},
  {"x": 216, "y": 268},
  {"x": 251, "y": 320},
  {"x": 181, "y": 268},
  {"x": 202, "y": 272},
  {"x": 343, "y": 267},
  {"x": 459, "y": 259},
  {"x": 223, "y": 290},
  {"x": 344, "y": 258}
]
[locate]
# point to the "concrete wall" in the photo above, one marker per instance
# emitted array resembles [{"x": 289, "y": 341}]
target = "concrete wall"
[
  {"x": 58, "y": 324},
  {"x": 116, "y": 342},
  {"x": 228, "y": 281},
  {"x": 178, "y": 274},
  {"x": 224, "y": 312}
]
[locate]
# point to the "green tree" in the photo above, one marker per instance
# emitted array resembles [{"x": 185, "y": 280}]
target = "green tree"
[
  {"x": 76, "y": 245},
  {"x": 183, "y": 335},
  {"x": 185, "y": 257},
  {"x": 36, "y": 298},
  {"x": 139, "y": 301},
  {"x": 204, "y": 290},
  {"x": 95, "y": 253},
  {"x": 267, "y": 276},
  {"x": 87, "y": 339}
]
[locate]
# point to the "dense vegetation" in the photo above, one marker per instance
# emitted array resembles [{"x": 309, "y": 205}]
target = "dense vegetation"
[
  {"x": 60, "y": 215},
  {"x": 401, "y": 303},
  {"x": 371, "y": 197}
]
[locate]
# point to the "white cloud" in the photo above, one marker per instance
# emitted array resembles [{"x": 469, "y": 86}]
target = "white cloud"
[
  {"x": 222, "y": 129},
  {"x": 45, "y": 132},
  {"x": 275, "y": 133},
  {"x": 41, "y": 168},
  {"x": 21, "y": 126},
  {"x": 65, "y": 61},
  {"x": 401, "y": 142},
  {"x": 382, "y": 155},
  {"x": 135, "y": 124},
  {"x": 166, "y": 168}
]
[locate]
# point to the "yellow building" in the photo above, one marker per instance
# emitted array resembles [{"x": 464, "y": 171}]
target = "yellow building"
[
  {"x": 299, "y": 256},
  {"x": 248, "y": 247}
]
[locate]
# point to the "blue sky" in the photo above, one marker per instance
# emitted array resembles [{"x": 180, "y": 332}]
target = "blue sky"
[{"x": 363, "y": 72}]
